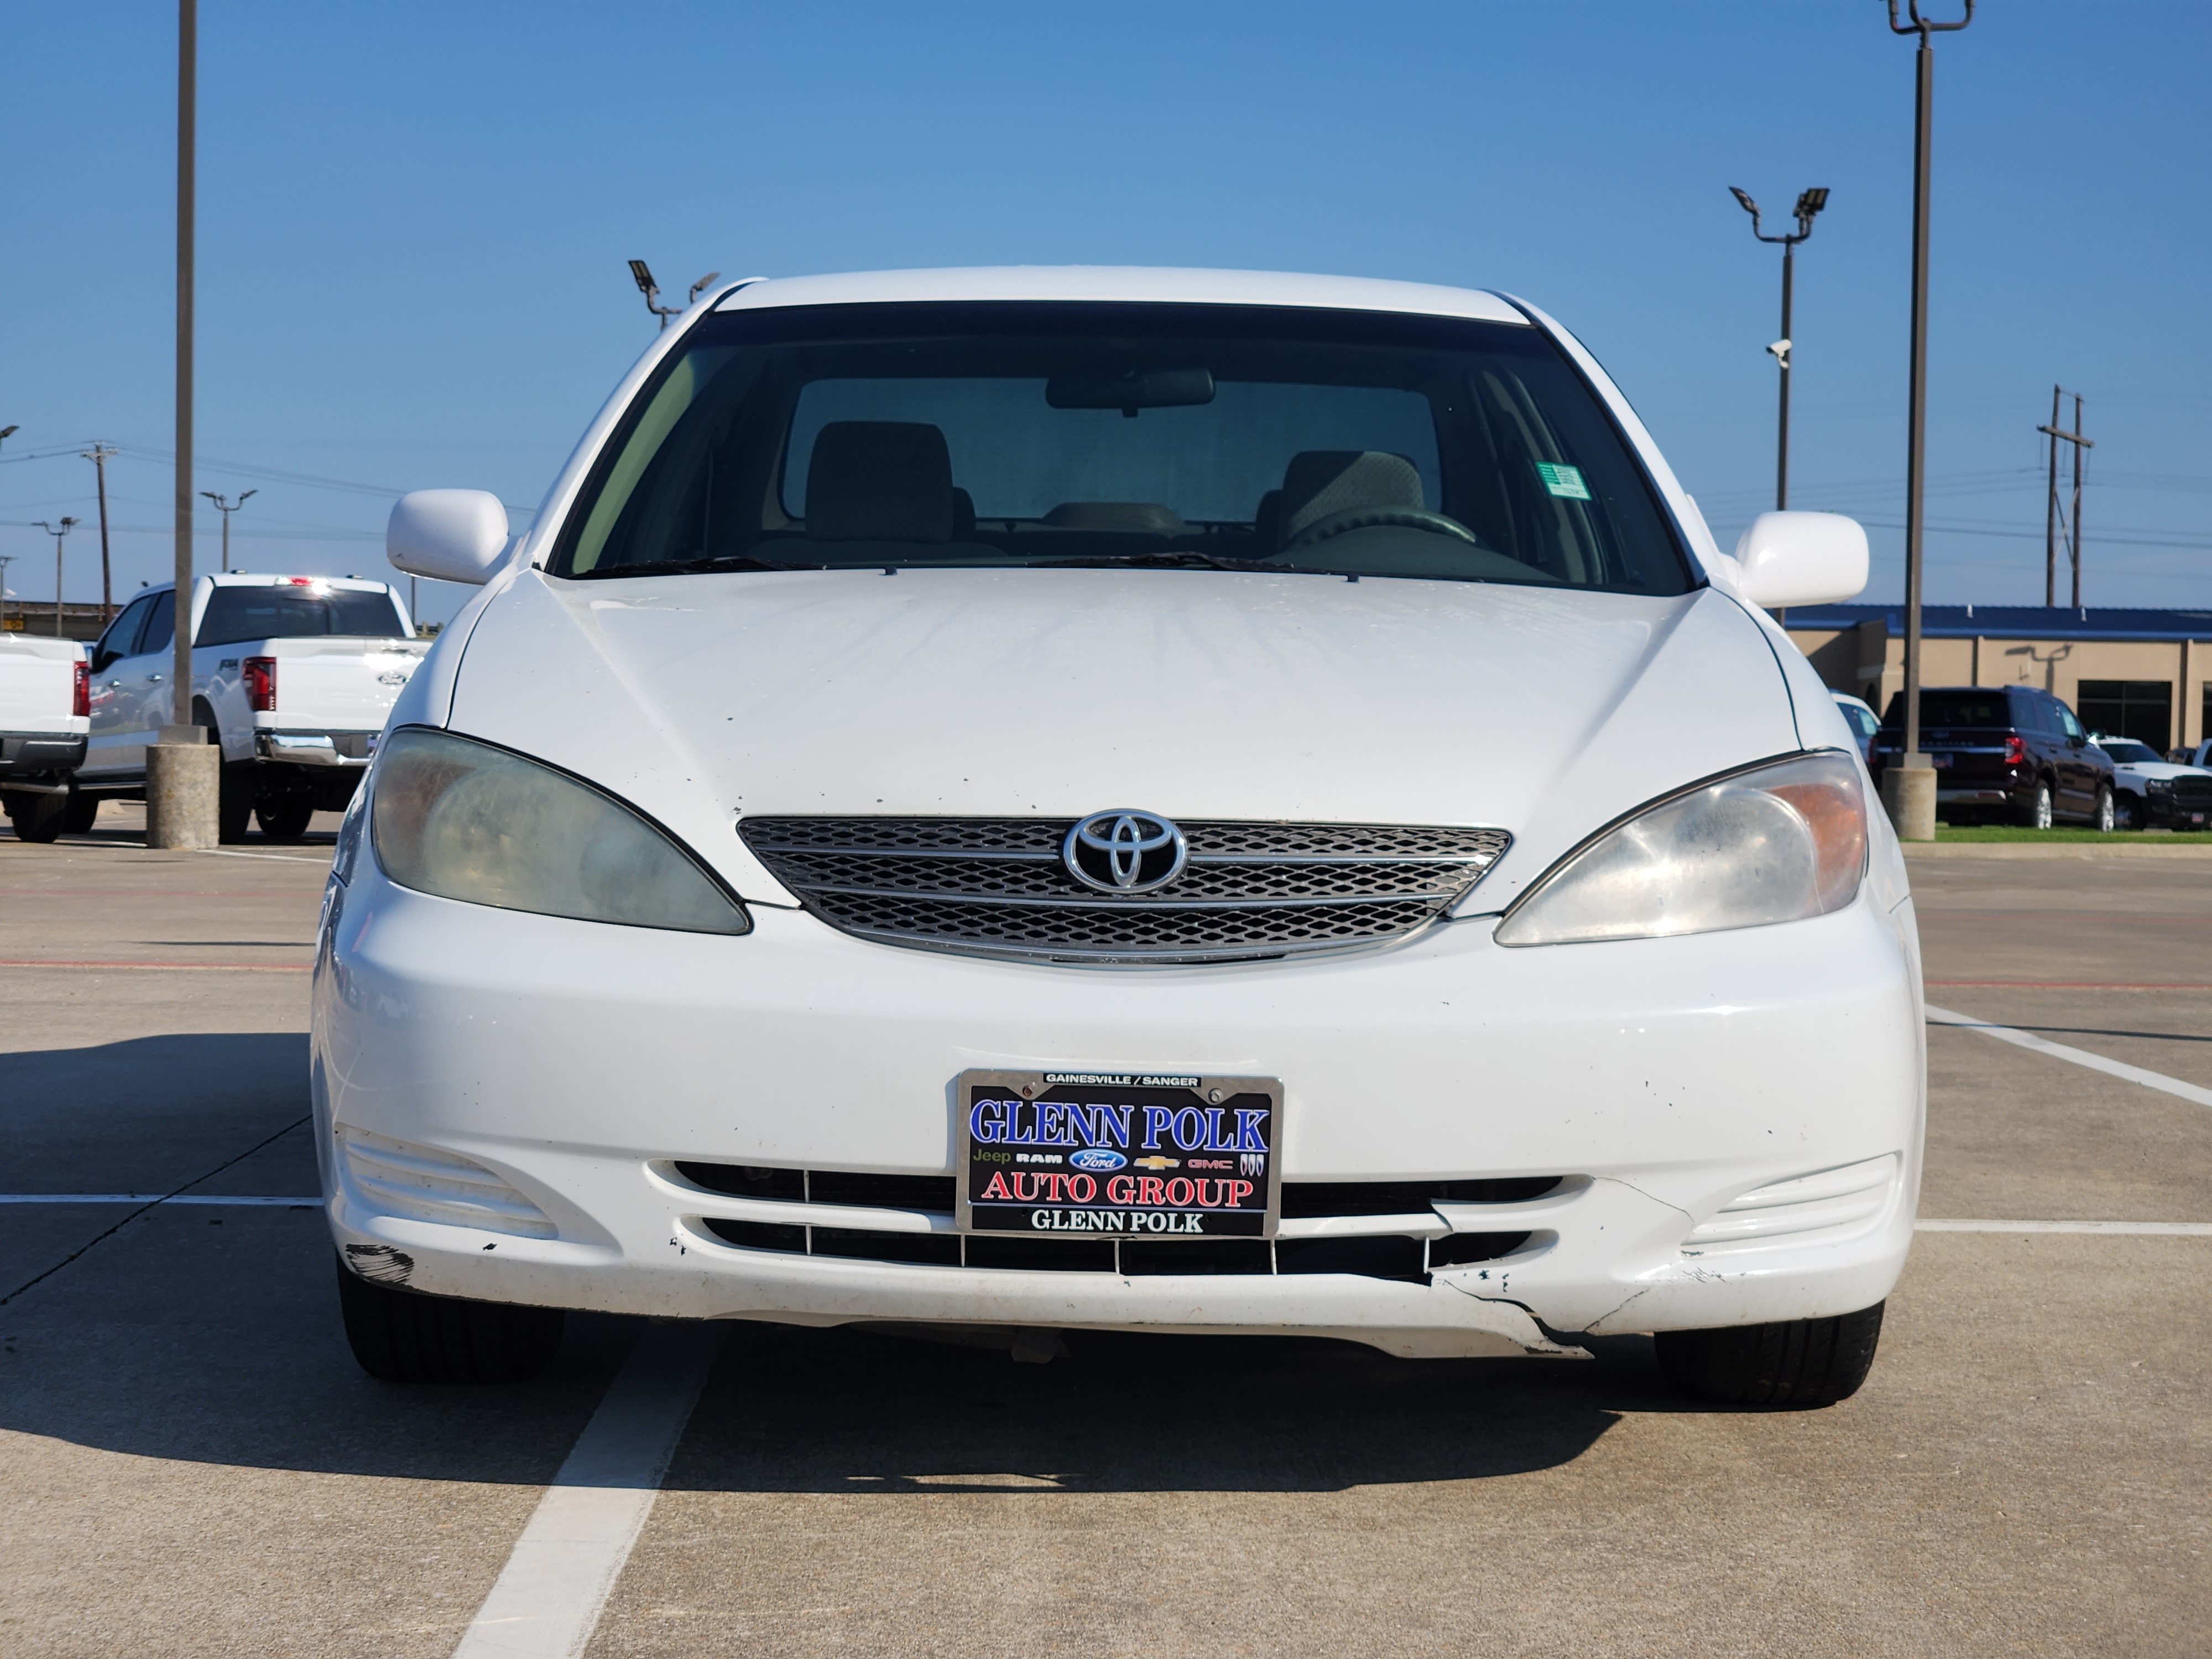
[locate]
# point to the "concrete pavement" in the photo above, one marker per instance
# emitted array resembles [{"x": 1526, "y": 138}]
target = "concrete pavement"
[{"x": 193, "y": 1464}]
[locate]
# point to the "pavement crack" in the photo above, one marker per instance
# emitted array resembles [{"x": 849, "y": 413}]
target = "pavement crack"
[{"x": 151, "y": 1205}]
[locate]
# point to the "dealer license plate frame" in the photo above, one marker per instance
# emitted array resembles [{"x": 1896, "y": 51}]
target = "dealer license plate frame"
[{"x": 1113, "y": 1088}]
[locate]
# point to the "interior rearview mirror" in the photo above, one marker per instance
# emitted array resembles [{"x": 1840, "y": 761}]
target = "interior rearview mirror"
[
  {"x": 448, "y": 535},
  {"x": 1802, "y": 558},
  {"x": 1130, "y": 390}
]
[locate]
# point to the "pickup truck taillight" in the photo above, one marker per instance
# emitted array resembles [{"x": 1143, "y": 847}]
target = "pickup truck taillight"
[
  {"x": 81, "y": 693},
  {"x": 260, "y": 681},
  {"x": 2015, "y": 750}
]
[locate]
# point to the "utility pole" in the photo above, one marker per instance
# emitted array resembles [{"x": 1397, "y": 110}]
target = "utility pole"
[
  {"x": 60, "y": 535},
  {"x": 227, "y": 508},
  {"x": 641, "y": 274},
  {"x": 1809, "y": 202},
  {"x": 1909, "y": 787},
  {"x": 2050, "y": 512},
  {"x": 98, "y": 455}
]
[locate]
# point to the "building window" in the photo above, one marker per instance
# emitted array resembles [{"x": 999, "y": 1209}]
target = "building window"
[{"x": 2141, "y": 709}]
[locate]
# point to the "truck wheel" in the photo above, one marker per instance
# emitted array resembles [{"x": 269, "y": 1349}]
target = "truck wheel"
[
  {"x": 405, "y": 1336},
  {"x": 2104, "y": 819},
  {"x": 286, "y": 819},
  {"x": 2036, "y": 815},
  {"x": 2127, "y": 812},
  {"x": 234, "y": 802},
  {"x": 1796, "y": 1362},
  {"x": 79, "y": 816},
  {"x": 36, "y": 817}
]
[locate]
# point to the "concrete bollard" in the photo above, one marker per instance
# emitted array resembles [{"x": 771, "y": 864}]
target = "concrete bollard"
[
  {"x": 1908, "y": 796},
  {"x": 184, "y": 785}
]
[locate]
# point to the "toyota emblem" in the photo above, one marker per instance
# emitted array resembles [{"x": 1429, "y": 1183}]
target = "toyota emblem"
[{"x": 1124, "y": 851}]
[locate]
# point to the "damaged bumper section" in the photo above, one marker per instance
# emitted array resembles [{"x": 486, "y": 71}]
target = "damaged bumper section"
[{"x": 1484, "y": 1151}]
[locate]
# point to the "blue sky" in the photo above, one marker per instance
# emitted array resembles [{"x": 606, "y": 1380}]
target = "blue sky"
[{"x": 414, "y": 220}]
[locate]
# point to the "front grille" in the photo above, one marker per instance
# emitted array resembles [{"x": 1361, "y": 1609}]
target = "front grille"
[
  {"x": 1370, "y": 1255},
  {"x": 997, "y": 886},
  {"x": 2193, "y": 793},
  {"x": 1373, "y": 1256}
]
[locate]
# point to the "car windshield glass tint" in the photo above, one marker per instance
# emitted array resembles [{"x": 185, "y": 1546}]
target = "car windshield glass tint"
[
  {"x": 236, "y": 614},
  {"x": 2126, "y": 751},
  {"x": 1209, "y": 436},
  {"x": 1953, "y": 708}
]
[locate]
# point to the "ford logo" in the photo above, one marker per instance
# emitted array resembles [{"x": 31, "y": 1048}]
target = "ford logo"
[
  {"x": 1097, "y": 1157},
  {"x": 1124, "y": 851}
]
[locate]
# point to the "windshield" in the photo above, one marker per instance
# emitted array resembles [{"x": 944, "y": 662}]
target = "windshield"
[
  {"x": 2126, "y": 751},
  {"x": 1953, "y": 708},
  {"x": 1212, "y": 436},
  {"x": 236, "y": 614}
]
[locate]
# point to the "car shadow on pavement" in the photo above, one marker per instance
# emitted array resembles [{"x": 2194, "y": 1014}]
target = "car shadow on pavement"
[{"x": 795, "y": 1410}]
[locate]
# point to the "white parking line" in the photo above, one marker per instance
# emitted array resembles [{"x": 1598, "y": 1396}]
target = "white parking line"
[
  {"x": 548, "y": 1598},
  {"x": 2142, "y": 1229},
  {"x": 274, "y": 858},
  {"x": 156, "y": 1198},
  {"x": 2172, "y": 1086}
]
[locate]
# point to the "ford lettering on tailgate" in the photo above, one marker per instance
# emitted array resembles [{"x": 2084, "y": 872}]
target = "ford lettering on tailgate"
[{"x": 1135, "y": 1155}]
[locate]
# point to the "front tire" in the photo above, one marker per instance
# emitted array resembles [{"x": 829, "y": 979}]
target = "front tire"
[
  {"x": 2104, "y": 814},
  {"x": 2127, "y": 813},
  {"x": 406, "y": 1336},
  {"x": 1797, "y": 1362}
]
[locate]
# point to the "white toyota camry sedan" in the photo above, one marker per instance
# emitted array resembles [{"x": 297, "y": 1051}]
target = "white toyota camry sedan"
[{"x": 1035, "y": 800}]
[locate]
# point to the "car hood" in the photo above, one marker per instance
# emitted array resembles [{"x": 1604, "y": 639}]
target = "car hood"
[
  {"x": 2162, "y": 770},
  {"x": 1011, "y": 692}
]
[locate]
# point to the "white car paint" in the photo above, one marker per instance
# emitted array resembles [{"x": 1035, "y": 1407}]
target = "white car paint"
[
  {"x": 1681, "y": 1085},
  {"x": 2135, "y": 777}
]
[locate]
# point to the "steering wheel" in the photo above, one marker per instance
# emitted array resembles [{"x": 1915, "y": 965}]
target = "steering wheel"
[{"x": 1369, "y": 517}]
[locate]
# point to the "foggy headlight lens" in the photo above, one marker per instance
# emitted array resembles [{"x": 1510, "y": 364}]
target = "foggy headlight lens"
[
  {"x": 1778, "y": 843},
  {"x": 464, "y": 820}
]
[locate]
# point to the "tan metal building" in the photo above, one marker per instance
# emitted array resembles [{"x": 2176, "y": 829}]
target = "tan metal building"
[{"x": 2145, "y": 674}]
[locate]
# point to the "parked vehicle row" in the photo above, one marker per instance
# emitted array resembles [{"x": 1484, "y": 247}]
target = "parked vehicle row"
[{"x": 292, "y": 677}]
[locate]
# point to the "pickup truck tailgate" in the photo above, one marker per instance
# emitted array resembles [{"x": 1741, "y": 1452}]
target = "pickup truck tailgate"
[
  {"x": 37, "y": 684},
  {"x": 339, "y": 685}
]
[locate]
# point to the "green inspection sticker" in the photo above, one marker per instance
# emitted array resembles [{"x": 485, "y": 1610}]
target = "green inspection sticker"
[{"x": 1565, "y": 481}]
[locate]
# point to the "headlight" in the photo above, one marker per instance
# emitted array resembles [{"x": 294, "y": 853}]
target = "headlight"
[
  {"x": 466, "y": 821},
  {"x": 1778, "y": 844}
]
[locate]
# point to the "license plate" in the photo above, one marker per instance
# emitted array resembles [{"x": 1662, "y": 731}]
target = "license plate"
[
  {"x": 1120, "y": 1155},
  {"x": 1941, "y": 761}
]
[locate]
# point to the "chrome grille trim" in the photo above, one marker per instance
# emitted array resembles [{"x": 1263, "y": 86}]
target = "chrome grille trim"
[{"x": 997, "y": 886}]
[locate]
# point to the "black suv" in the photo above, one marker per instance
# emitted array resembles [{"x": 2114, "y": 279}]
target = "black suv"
[{"x": 2006, "y": 751}]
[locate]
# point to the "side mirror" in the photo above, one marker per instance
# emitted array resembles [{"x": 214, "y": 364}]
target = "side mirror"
[
  {"x": 1802, "y": 558},
  {"x": 448, "y": 535}
]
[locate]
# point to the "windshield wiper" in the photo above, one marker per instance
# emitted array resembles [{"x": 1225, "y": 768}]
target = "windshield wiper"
[
  {"x": 687, "y": 567},
  {"x": 1186, "y": 559}
]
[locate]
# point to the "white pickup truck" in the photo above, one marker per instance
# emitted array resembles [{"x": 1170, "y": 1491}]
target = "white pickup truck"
[
  {"x": 43, "y": 705},
  {"x": 292, "y": 675}
]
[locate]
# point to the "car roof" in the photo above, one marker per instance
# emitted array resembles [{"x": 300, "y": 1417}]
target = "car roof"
[{"x": 1124, "y": 283}]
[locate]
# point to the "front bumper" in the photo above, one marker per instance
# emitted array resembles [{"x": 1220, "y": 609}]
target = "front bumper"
[{"x": 571, "y": 1065}]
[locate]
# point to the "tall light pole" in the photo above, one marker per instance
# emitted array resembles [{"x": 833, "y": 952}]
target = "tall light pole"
[
  {"x": 99, "y": 454},
  {"x": 1809, "y": 202},
  {"x": 1908, "y": 788},
  {"x": 641, "y": 274},
  {"x": 184, "y": 771},
  {"x": 227, "y": 508},
  {"x": 60, "y": 533}
]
